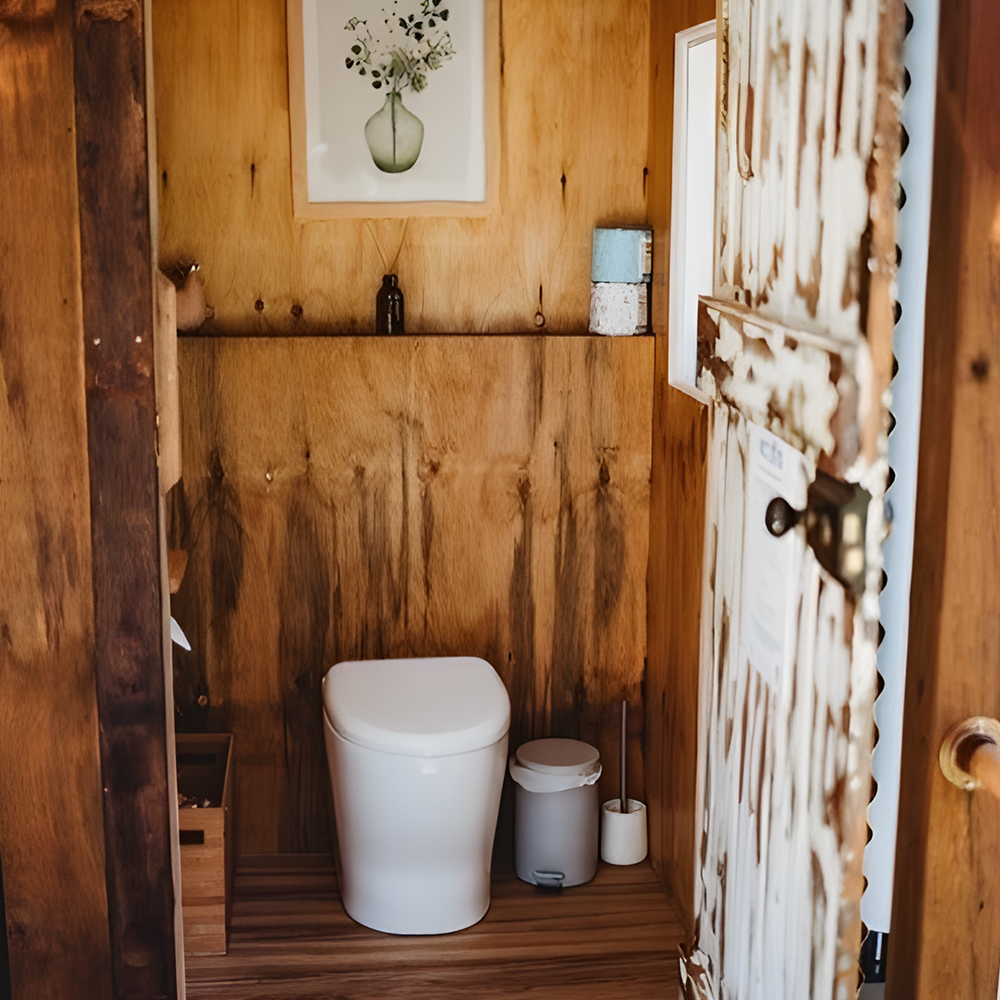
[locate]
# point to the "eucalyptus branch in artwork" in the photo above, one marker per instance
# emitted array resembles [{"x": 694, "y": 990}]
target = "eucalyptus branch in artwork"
[{"x": 404, "y": 49}]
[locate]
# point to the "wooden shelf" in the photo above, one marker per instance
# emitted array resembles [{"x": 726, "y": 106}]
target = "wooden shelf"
[{"x": 617, "y": 936}]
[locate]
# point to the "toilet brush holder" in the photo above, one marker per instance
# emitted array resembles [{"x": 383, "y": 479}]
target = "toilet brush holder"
[{"x": 623, "y": 835}]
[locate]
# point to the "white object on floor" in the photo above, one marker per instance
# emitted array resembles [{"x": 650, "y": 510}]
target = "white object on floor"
[
  {"x": 416, "y": 749},
  {"x": 623, "y": 835},
  {"x": 556, "y": 815}
]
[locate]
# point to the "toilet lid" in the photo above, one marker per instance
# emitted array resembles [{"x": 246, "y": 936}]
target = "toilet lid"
[{"x": 429, "y": 707}]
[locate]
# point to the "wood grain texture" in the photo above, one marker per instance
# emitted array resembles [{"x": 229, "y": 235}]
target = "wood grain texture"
[
  {"x": 574, "y": 99},
  {"x": 614, "y": 937},
  {"x": 118, "y": 303},
  {"x": 676, "y": 518},
  {"x": 946, "y": 905},
  {"x": 51, "y": 827},
  {"x": 27, "y": 10},
  {"x": 361, "y": 498}
]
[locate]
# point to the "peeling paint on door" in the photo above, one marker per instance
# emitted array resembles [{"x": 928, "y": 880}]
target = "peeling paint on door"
[
  {"x": 785, "y": 772},
  {"x": 801, "y": 386},
  {"x": 796, "y": 339}
]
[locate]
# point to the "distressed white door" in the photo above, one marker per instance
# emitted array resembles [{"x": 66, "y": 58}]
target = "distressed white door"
[{"x": 795, "y": 355}]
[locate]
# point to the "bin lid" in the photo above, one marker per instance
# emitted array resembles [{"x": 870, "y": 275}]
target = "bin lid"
[
  {"x": 419, "y": 707},
  {"x": 557, "y": 756}
]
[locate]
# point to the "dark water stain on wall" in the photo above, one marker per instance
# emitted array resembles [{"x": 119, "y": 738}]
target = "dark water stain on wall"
[
  {"x": 304, "y": 602},
  {"x": 381, "y": 601},
  {"x": 212, "y": 535},
  {"x": 570, "y": 621},
  {"x": 403, "y": 560},
  {"x": 189, "y": 668},
  {"x": 519, "y": 673},
  {"x": 535, "y": 399},
  {"x": 428, "y": 470},
  {"x": 609, "y": 549},
  {"x": 225, "y": 538}
]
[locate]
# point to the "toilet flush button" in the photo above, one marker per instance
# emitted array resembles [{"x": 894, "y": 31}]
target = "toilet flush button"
[{"x": 429, "y": 769}]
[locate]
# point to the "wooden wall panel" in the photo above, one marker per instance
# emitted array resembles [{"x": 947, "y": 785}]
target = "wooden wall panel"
[
  {"x": 574, "y": 109},
  {"x": 51, "y": 828},
  {"x": 361, "y": 497},
  {"x": 945, "y": 935},
  {"x": 677, "y": 509}
]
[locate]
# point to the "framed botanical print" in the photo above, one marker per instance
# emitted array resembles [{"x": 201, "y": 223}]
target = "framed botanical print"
[{"x": 393, "y": 107}]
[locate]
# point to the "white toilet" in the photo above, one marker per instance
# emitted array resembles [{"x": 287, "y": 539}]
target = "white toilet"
[{"x": 417, "y": 750}]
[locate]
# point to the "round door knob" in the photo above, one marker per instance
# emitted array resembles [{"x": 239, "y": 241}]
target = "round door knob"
[
  {"x": 970, "y": 754},
  {"x": 780, "y": 517}
]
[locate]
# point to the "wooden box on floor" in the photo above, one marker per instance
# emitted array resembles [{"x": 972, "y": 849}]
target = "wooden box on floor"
[{"x": 204, "y": 772}]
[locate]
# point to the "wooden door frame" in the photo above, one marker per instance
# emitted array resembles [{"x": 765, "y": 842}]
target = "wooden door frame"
[{"x": 945, "y": 933}]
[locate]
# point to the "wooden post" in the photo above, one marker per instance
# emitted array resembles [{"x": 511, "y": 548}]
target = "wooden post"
[
  {"x": 118, "y": 303},
  {"x": 51, "y": 828},
  {"x": 945, "y": 935}
]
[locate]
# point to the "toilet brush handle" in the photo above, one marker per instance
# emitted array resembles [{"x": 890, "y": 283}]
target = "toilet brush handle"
[{"x": 624, "y": 795}]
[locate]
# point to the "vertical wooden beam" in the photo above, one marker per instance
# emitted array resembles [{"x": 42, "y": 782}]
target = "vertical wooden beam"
[
  {"x": 945, "y": 937},
  {"x": 677, "y": 508},
  {"x": 117, "y": 282},
  {"x": 5, "y": 985},
  {"x": 51, "y": 832}
]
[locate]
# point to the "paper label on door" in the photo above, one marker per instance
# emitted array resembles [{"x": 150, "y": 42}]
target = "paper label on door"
[{"x": 771, "y": 566}]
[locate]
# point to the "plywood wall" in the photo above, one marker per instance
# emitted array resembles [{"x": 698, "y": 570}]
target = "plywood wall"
[
  {"x": 367, "y": 497},
  {"x": 676, "y": 524},
  {"x": 574, "y": 98}
]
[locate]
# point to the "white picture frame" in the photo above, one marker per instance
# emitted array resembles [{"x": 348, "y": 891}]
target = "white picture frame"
[
  {"x": 692, "y": 211},
  {"x": 434, "y": 112}
]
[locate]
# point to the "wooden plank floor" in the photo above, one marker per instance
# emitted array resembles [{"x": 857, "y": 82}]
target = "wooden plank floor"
[{"x": 291, "y": 940}]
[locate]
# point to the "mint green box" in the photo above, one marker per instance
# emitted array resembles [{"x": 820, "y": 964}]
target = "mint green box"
[{"x": 623, "y": 255}]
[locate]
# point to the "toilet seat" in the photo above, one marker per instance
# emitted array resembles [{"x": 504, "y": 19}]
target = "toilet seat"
[{"x": 429, "y": 707}]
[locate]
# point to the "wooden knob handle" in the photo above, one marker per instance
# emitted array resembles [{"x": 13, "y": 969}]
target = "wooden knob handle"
[{"x": 970, "y": 755}]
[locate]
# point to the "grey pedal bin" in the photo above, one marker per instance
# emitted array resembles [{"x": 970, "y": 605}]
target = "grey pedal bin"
[{"x": 556, "y": 812}]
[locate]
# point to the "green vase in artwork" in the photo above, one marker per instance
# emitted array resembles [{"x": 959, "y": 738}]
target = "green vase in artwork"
[{"x": 394, "y": 136}]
